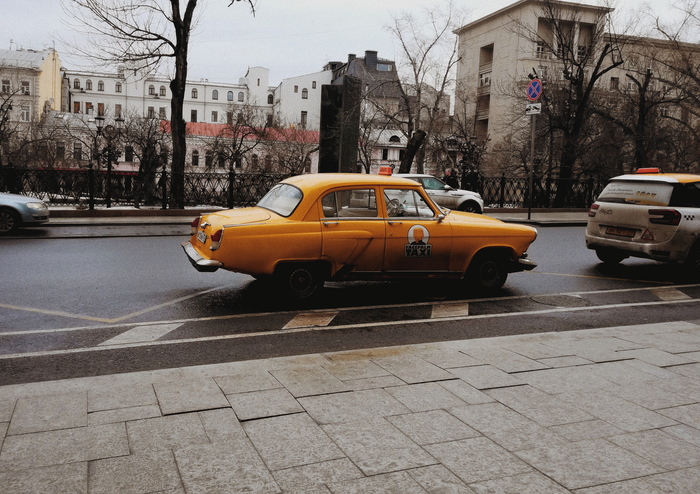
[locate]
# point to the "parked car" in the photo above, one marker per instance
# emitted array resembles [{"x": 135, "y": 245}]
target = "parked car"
[
  {"x": 649, "y": 215},
  {"x": 18, "y": 210},
  {"x": 446, "y": 196},
  {"x": 318, "y": 227}
]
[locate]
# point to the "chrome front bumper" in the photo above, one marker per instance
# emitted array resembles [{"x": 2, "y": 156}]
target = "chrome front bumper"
[{"x": 198, "y": 262}]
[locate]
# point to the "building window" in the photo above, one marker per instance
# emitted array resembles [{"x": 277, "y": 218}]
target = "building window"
[
  {"x": 77, "y": 151},
  {"x": 215, "y": 94},
  {"x": 161, "y": 113},
  {"x": 208, "y": 159},
  {"x": 254, "y": 162},
  {"x": 270, "y": 99},
  {"x": 614, "y": 83},
  {"x": 229, "y": 118},
  {"x": 268, "y": 163},
  {"x": 25, "y": 87},
  {"x": 195, "y": 158},
  {"x": 229, "y": 96},
  {"x": 313, "y": 85},
  {"x": 151, "y": 112},
  {"x": 76, "y": 107},
  {"x": 542, "y": 51},
  {"x": 118, "y": 111},
  {"x": 88, "y": 85},
  {"x": 5, "y": 86},
  {"x": 258, "y": 82},
  {"x": 118, "y": 87},
  {"x": 304, "y": 93},
  {"x": 100, "y": 85},
  {"x": 296, "y": 89},
  {"x": 60, "y": 151},
  {"x": 241, "y": 97},
  {"x": 24, "y": 113},
  {"x": 485, "y": 79},
  {"x": 76, "y": 84},
  {"x": 394, "y": 139},
  {"x": 269, "y": 120},
  {"x": 385, "y": 154},
  {"x": 88, "y": 108},
  {"x": 162, "y": 91},
  {"x": 195, "y": 93},
  {"x": 193, "y": 115},
  {"x": 128, "y": 153},
  {"x": 151, "y": 90},
  {"x": 101, "y": 109},
  {"x": 303, "y": 119},
  {"x": 215, "y": 116}
]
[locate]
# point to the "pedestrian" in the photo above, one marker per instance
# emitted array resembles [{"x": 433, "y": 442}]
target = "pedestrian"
[{"x": 450, "y": 179}]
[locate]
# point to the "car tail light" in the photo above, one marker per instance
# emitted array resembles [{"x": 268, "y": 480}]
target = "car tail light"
[
  {"x": 593, "y": 210},
  {"x": 194, "y": 225},
  {"x": 216, "y": 239},
  {"x": 664, "y": 216}
]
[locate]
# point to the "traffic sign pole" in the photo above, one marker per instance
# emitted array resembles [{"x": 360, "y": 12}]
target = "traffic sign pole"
[{"x": 534, "y": 91}]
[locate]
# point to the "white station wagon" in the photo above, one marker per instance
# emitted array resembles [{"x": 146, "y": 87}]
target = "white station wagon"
[{"x": 650, "y": 215}]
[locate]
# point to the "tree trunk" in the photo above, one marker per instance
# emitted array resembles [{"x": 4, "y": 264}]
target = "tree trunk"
[{"x": 412, "y": 147}]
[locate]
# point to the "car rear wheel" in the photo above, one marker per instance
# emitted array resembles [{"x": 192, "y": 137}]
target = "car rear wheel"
[
  {"x": 487, "y": 272},
  {"x": 469, "y": 207},
  {"x": 610, "y": 256},
  {"x": 300, "y": 281},
  {"x": 693, "y": 258},
  {"x": 9, "y": 221}
]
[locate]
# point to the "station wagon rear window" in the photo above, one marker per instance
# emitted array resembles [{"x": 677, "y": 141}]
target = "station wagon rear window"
[
  {"x": 282, "y": 199},
  {"x": 637, "y": 192}
]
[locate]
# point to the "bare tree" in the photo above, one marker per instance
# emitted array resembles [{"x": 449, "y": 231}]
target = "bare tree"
[
  {"x": 428, "y": 57},
  {"x": 144, "y": 34},
  {"x": 291, "y": 148}
]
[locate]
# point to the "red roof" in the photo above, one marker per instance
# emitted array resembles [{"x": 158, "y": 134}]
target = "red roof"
[{"x": 224, "y": 130}]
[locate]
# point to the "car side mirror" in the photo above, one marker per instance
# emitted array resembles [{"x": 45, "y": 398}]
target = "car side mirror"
[{"x": 448, "y": 187}]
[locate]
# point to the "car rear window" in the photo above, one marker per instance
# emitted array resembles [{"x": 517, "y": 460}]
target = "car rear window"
[
  {"x": 637, "y": 192},
  {"x": 282, "y": 199}
]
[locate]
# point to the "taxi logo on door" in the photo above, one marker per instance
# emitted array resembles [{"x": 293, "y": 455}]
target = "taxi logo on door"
[{"x": 418, "y": 246}]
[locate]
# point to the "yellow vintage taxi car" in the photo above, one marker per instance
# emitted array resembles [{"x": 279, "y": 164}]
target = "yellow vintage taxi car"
[{"x": 311, "y": 228}]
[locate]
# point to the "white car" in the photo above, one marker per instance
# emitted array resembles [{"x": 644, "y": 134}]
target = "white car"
[
  {"x": 18, "y": 210},
  {"x": 649, "y": 215},
  {"x": 446, "y": 196}
]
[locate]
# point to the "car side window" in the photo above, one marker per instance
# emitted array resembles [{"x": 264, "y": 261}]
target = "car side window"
[
  {"x": 406, "y": 203},
  {"x": 355, "y": 203},
  {"x": 433, "y": 184},
  {"x": 686, "y": 195}
]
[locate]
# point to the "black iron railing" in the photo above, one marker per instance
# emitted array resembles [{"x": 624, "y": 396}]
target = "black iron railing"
[{"x": 90, "y": 188}]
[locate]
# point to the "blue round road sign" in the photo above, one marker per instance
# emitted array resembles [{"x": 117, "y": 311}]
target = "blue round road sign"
[{"x": 534, "y": 90}]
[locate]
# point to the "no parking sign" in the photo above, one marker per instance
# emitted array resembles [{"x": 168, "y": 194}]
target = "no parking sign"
[{"x": 534, "y": 90}]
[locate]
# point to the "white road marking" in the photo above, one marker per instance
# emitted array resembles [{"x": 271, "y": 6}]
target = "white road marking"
[
  {"x": 141, "y": 334},
  {"x": 337, "y": 328},
  {"x": 311, "y": 319},
  {"x": 670, "y": 294},
  {"x": 449, "y": 310}
]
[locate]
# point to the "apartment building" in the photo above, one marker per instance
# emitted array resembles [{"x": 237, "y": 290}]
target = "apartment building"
[{"x": 31, "y": 83}]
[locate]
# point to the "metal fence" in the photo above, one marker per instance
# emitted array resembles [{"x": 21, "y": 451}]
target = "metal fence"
[{"x": 90, "y": 188}]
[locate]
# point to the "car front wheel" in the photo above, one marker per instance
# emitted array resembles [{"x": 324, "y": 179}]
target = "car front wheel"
[
  {"x": 300, "y": 281},
  {"x": 487, "y": 272},
  {"x": 9, "y": 221}
]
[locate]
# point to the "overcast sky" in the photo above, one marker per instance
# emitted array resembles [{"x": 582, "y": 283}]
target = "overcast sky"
[{"x": 289, "y": 37}]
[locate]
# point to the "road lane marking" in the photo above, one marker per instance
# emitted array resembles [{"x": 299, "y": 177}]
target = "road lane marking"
[
  {"x": 670, "y": 294},
  {"x": 337, "y": 328},
  {"x": 112, "y": 320},
  {"x": 601, "y": 278},
  {"x": 311, "y": 319},
  {"x": 142, "y": 334},
  {"x": 449, "y": 310}
]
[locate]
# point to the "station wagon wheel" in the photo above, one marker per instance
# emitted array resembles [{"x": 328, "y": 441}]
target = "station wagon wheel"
[
  {"x": 9, "y": 221},
  {"x": 487, "y": 271},
  {"x": 300, "y": 281},
  {"x": 610, "y": 256},
  {"x": 469, "y": 207}
]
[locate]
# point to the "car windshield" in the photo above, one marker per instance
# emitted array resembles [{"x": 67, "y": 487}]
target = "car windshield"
[
  {"x": 637, "y": 192},
  {"x": 282, "y": 199}
]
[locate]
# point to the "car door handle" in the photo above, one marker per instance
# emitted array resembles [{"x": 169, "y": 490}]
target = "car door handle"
[
  {"x": 395, "y": 222},
  {"x": 326, "y": 223}
]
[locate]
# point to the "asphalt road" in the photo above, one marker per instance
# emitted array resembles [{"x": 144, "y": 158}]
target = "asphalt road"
[{"x": 71, "y": 307}]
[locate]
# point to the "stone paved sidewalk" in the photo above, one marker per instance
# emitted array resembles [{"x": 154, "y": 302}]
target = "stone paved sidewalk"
[{"x": 613, "y": 410}]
